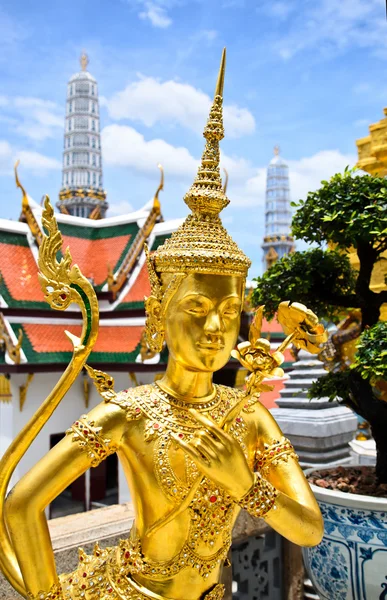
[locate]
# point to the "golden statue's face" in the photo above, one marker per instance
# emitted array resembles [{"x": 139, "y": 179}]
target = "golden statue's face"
[{"x": 202, "y": 321}]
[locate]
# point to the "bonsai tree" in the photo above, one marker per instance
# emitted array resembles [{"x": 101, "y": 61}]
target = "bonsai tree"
[{"x": 347, "y": 212}]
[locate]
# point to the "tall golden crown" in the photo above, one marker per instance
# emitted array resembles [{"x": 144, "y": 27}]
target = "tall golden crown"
[{"x": 202, "y": 244}]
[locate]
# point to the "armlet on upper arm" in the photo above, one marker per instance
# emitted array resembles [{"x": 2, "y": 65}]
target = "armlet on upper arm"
[
  {"x": 87, "y": 436},
  {"x": 273, "y": 454}
]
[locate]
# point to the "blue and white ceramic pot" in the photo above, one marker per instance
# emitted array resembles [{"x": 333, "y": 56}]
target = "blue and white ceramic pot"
[{"x": 351, "y": 561}]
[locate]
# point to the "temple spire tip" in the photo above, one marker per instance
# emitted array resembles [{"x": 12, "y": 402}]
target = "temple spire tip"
[{"x": 222, "y": 69}]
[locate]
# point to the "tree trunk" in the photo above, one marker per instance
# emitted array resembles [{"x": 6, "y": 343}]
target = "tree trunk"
[
  {"x": 370, "y": 314},
  {"x": 374, "y": 411}
]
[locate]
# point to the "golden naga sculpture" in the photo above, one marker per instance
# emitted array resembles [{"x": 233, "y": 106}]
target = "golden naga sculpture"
[{"x": 193, "y": 453}]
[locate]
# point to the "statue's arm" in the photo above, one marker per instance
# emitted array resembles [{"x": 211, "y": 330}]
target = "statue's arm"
[
  {"x": 25, "y": 504},
  {"x": 297, "y": 515}
]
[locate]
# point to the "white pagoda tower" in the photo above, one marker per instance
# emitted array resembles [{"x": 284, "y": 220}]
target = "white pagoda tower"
[
  {"x": 278, "y": 240},
  {"x": 82, "y": 192}
]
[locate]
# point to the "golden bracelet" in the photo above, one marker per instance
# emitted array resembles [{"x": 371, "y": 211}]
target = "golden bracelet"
[
  {"x": 261, "y": 497},
  {"x": 87, "y": 435},
  {"x": 279, "y": 450}
]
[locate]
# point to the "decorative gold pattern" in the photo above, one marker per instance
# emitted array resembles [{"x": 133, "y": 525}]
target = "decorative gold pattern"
[
  {"x": 103, "y": 382},
  {"x": 273, "y": 454},
  {"x": 27, "y": 213},
  {"x": 12, "y": 349},
  {"x": 260, "y": 499},
  {"x": 107, "y": 575},
  {"x": 145, "y": 352},
  {"x": 87, "y": 437},
  {"x": 23, "y": 391},
  {"x": 5, "y": 388},
  {"x": 372, "y": 150},
  {"x": 54, "y": 593}
]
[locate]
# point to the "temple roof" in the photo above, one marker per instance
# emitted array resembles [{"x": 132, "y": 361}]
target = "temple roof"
[{"x": 94, "y": 245}]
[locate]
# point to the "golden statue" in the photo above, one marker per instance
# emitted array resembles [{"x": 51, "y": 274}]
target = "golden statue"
[{"x": 193, "y": 453}]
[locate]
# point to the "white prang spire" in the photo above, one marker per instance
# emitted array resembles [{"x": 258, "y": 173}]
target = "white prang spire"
[
  {"x": 278, "y": 240},
  {"x": 82, "y": 192}
]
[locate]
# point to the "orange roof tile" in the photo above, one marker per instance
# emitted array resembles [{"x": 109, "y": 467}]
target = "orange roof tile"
[
  {"x": 51, "y": 338},
  {"x": 140, "y": 288},
  {"x": 93, "y": 256},
  {"x": 20, "y": 272}
]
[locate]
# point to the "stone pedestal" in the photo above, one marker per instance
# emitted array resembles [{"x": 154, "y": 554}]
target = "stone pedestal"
[{"x": 319, "y": 430}]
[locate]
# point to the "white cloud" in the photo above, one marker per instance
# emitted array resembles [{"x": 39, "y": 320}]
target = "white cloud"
[
  {"x": 305, "y": 175},
  {"x": 35, "y": 162},
  {"x": 124, "y": 146},
  {"x": 150, "y": 101},
  {"x": 38, "y": 163},
  {"x": 156, "y": 14},
  {"x": 120, "y": 208},
  {"x": 331, "y": 27},
  {"x": 33, "y": 118}
]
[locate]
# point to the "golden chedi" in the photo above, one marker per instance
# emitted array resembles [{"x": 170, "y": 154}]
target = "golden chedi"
[{"x": 193, "y": 453}]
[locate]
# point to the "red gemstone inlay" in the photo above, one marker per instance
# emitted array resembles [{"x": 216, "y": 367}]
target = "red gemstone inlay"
[
  {"x": 238, "y": 420},
  {"x": 213, "y": 499},
  {"x": 156, "y": 426},
  {"x": 127, "y": 554},
  {"x": 63, "y": 296},
  {"x": 181, "y": 435},
  {"x": 84, "y": 574}
]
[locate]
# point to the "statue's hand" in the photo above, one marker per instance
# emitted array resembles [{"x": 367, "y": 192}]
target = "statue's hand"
[{"x": 219, "y": 457}]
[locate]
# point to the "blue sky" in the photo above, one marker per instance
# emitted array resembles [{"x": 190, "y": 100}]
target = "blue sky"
[{"x": 308, "y": 75}]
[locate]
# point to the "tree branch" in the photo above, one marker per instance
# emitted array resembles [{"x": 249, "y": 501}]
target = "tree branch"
[
  {"x": 382, "y": 296},
  {"x": 350, "y": 301}
]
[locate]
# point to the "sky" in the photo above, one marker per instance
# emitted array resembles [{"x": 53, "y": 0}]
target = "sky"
[{"x": 308, "y": 75}]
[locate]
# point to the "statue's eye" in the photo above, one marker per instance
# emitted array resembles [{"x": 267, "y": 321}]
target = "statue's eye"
[
  {"x": 198, "y": 310},
  {"x": 231, "y": 311}
]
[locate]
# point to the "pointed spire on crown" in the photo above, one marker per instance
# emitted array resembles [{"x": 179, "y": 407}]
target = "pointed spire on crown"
[
  {"x": 206, "y": 195},
  {"x": 201, "y": 244}
]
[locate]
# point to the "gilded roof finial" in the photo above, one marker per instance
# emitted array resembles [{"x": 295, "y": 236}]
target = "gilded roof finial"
[
  {"x": 156, "y": 201},
  {"x": 206, "y": 195},
  {"x": 276, "y": 150},
  {"x": 84, "y": 60}
]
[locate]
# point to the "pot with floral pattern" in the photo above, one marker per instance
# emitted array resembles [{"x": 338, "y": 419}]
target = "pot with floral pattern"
[{"x": 351, "y": 561}]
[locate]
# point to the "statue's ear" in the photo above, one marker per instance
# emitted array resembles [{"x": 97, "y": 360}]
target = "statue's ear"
[
  {"x": 154, "y": 327},
  {"x": 153, "y": 307}
]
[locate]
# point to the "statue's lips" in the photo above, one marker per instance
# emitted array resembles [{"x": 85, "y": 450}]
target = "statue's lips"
[{"x": 211, "y": 347}]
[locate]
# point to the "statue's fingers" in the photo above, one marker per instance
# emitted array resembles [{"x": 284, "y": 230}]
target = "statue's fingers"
[
  {"x": 210, "y": 443},
  {"x": 205, "y": 450},
  {"x": 211, "y": 427},
  {"x": 190, "y": 449}
]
